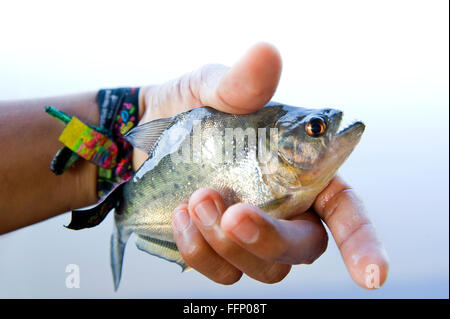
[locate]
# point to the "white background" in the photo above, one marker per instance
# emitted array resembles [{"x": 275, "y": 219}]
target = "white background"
[{"x": 384, "y": 62}]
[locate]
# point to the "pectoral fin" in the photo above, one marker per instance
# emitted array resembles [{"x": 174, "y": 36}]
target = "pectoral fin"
[{"x": 160, "y": 248}]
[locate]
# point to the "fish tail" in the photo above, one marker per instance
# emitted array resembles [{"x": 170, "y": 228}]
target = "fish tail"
[{"x": 118, "y": 242}]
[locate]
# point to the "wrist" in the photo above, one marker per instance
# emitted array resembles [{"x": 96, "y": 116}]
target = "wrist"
[
  {"x": 138, "y": 157},
  {"x": 144, "y": 92}
]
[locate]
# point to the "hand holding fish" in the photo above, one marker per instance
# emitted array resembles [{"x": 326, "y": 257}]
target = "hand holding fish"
[
  {"x": 224, "y": 242},
  {"x": 192, "y": 214}
]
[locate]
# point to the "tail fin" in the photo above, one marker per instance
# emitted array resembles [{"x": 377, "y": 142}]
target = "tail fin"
[
  {"x": 118, "y": 242},
  {"x": 92, "y": 217}
]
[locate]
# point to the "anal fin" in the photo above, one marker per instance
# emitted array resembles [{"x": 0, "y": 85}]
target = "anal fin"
[
  {"x": 275, "y": 203},
  {"x": 160, "y": 248}
]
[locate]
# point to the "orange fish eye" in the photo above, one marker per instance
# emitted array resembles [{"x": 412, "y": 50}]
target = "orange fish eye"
[{"x": 315, "y": 127}]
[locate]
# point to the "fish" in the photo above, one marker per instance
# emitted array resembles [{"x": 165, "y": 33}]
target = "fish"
[{"x": 278, "y": 158}]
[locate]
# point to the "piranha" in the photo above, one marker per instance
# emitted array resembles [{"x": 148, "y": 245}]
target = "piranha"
[{"x": 278, "y": 159}]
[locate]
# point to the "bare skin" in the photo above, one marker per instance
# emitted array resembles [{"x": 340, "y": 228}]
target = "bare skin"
[
  {"x": 29, "y": 191},
  {"x": 220, "y": 242}
]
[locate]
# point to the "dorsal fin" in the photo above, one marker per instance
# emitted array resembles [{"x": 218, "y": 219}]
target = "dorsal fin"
[{"x": 145, "y": 136}]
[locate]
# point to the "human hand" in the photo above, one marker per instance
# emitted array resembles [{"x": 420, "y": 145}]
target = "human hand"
[
  {"x": 268, "y": 246},
  {"x": 245, "y": 88},
  {"x": 225, "y": 242}
]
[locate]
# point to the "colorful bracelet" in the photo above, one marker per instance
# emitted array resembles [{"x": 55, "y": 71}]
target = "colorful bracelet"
[
  {"x": 104, "y": 145},
  {"x": 119, "y": 112}
]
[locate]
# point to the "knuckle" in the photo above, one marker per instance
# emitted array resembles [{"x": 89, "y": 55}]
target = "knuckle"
[
  {"x": 226, "y": 250},
  {"x": 273, "y": 246},
  {"x": 276, "y": 274},
  {"x": 336, "y": 202},
  {"x": 190, "y": 84},
  {"x": 278, "y": 254},
  {"x": 279, "y": 249},
  {"x": 321, "y": 248},
  {"x": 323, "y": 243},
  {"x": 310, "y": 259},
  {"x": 228, "y": 277},
  {"x": 193, "y": 255},
  {"x": 208, "y": 69}
]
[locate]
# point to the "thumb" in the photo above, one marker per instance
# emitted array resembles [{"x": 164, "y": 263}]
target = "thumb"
[
  {"x": 245, "y": 87},
  {"x": 248, "y": 85}
]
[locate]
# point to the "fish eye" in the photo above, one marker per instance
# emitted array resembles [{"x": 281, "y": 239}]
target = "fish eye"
[{"x": 315, "y": 127}]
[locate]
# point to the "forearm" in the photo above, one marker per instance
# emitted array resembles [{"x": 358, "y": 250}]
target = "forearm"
[{"x": 29, "y": 191}]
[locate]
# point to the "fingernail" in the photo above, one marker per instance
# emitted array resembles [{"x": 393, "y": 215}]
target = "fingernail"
[
  {"x": 207, "y": 212},
  {"x": 246, "y": 231},
  {"x": 181, "y": 220}
]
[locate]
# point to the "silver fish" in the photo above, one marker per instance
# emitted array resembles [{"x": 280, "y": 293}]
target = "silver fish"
[{"x": 302, "y": 148}]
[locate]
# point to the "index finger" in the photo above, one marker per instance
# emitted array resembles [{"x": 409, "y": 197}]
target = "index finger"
[{"x": 362, "y": 251}]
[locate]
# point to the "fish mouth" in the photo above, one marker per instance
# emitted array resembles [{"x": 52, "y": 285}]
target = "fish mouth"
[
  {"x": 354, "y": 129},
  {"x": 347, "y": 137},
  {"x": 342, "y": 144},
  {"x": 345, "y": 130}
]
